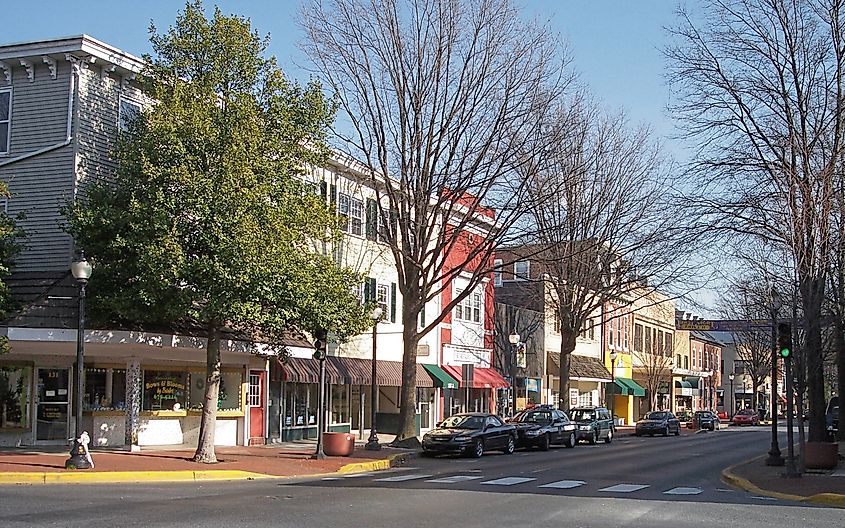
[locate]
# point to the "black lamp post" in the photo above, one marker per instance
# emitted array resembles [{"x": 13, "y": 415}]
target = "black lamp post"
[
  {"x": 81, "y": 271},
  {"x": 733, "y": 396},
  {"x": 372, "y": 442},
  {"x": 613, "y": 356},
  {"x": 774, "y": 458},
  {"x": 514, "y": 341},
  {"x": 320, "y": 355}
]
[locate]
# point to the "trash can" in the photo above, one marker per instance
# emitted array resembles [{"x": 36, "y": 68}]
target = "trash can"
[{"x": 338, "y": 444}]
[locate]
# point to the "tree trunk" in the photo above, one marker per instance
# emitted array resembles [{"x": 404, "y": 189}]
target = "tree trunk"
[
  {"x": 567, "y": 346},
  {"x": 840, "y": 376},
  {"x": 811, "y": 300},
  {"x": 205, "y": 447},
  {"x": 407, "y": 435}
]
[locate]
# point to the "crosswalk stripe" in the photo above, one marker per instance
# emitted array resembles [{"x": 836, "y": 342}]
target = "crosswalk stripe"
[
  {"x": 624, "y": 488},
  {"x": 683, "y": 491},
  {"x": 509, "y": 481},
  {"x": 454, "y": 479},
  {"x": 564, "y": 484},
  {"x": 402, "y": 478}
]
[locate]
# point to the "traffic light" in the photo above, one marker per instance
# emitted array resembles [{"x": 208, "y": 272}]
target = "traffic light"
[{"x": 785, "y": 340}]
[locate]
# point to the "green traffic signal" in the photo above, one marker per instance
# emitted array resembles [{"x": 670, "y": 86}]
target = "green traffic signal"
[
  {"x": 785, "y": 353},
  {"x": 785, "y": 340}
]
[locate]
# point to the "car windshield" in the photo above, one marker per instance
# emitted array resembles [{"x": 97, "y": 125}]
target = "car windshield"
[
  {"x": 535, "y": 417},
  {"x": 583, "y": 415},
  {"x": 746, "y": 411},
  {"x": 464, "y": 422},
  {"x": 655, "y": 416}
]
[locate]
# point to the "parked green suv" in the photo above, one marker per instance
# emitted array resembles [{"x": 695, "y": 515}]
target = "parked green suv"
[{"x": 594, "y": 423}]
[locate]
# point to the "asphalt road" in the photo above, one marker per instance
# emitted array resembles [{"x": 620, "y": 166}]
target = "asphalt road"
[{"x": 642, "y": 482}]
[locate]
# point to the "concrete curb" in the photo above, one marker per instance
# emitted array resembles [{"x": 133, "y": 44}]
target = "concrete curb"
[
  {"x": 108, "y": 477},
  {"x": 732, "y": 479},
  {"x": 114, "y": 477},
  {"x": 396, "y": 460}
]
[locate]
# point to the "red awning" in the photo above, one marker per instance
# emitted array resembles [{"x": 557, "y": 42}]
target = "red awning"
[
  {"x": 345, "y": 371},
  {"x": 483, "y": 378}
]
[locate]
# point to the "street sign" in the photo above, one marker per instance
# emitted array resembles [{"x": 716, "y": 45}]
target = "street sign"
[{"x": 723, "y": 325}]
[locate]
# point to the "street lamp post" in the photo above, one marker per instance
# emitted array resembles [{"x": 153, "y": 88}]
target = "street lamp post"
[
  {"x": 774, "y": 458},
  {"x": 81, "y": 271},
  {"x": 372, "y": 442},
  {"x": 733, "y": 396},
  {"x": 514, "y": 341},
  {"x": 613, "y": 356}
]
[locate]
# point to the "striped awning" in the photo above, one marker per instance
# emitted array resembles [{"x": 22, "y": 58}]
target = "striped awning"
[
  {"x": 349, "y": 371},
  {"x": 483, "y": 378}
]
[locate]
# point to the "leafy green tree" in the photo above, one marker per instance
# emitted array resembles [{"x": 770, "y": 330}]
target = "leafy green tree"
[
  {"x": 208, "y": 223},
  {"x": 10, "y": 236}
]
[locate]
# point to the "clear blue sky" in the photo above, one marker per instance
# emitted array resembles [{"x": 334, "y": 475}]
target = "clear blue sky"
[{"x": 615, "y": 44}]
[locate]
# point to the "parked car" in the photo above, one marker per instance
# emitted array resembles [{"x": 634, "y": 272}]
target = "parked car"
[
  {"x": 593, "y": 423},
  {"x": 707, "y": 420},
  {"x": 832, "y": 418},
  {"x": 723, "y": 415},
  {"x": 746, "y": 417},
  {"x": 543, "y": 426},
  {"x": 470, "y": 434},
  {"x": 658, "y": 422}
]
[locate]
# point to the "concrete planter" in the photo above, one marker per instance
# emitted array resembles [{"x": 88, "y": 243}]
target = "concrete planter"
[
  {"x": 821, "y": 455},
  {"x": 338, "y": 444}
]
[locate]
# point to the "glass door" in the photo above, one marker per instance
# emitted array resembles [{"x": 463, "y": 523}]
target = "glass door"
[{"x": 52, "y": 405}]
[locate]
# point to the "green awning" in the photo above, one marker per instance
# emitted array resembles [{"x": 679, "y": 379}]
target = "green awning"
[
  {"x": 693, "y": 381},
  {"x": 682, "y": 384},
  {"x": 635, "y": 388},
  {"x": 441, "y": 379},
  {"x": 619, "y": 388}
]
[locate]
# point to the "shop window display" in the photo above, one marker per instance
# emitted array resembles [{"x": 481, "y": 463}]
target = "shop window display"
[
  {"x": 165, "y": 390},
  {"x": 105, "y": 389},
  {"x": 340, "y": 404},
  {"x": 14, "y": 397},
  {"x": 228, "y": 397}
]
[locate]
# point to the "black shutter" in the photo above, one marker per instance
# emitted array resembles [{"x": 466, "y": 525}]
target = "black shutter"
[
  {"x": 392, "y": 302},
  {"x": 372, "y": 287},
  {"x": 333, "y": 196},
  {"x": 369, "y": 293},
  {"x": 372, "y": 219},
  {"x": 324, "y": 190},
  {"x": 422, "y": 317}
]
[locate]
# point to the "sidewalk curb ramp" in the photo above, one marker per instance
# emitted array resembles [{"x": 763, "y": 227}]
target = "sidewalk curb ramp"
[
  {"x": 114, "y": 477},
  {"x": 397, "y": 460},
  {"x": 732, "y": 479}
]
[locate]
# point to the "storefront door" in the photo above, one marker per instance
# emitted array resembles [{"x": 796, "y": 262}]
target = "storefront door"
[
  {"x": 52, "y": 406},
  {"x": 255, "y": 403}
]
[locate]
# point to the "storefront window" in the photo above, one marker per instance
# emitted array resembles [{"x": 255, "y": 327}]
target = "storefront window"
[
  {"x": 14, "y": 397},
  {"x": 165, "y": 390},
  {"x": 340, "y": 404},
  {"x": 229, "y": 396},
  {"x": 105, "y": 389},
  {"x": 296, "y": 404}
]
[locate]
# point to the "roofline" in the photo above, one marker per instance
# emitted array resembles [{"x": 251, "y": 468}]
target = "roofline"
[{"x": 84, "y": 44}]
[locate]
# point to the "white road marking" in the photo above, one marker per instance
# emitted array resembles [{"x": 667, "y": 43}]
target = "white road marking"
[
  {"x": 763, "y": 498},
  {"x": 683, "y": 491},
  {"x": 624, "y": 488},
  {"x": 454, "y": 479},
  {"x": 509, "y": 481},
  {"x": 332, "y": 478},
  {"x": 723, "y": 490},
  {"x": 402, "y": 478},
  {"x": 564, "y": 484}
]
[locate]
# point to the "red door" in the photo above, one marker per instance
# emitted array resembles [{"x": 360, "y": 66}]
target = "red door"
[{"x": 256, "y": 399}]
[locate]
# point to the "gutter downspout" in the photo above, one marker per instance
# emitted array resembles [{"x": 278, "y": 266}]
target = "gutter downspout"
[{"x": 68, "y": 131}]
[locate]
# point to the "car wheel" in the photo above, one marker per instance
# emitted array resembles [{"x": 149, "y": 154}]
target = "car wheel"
[
  {"x": 544, "y": 443},
  {"x": 609, "y": 438},
  {"x": 509, "y": 447},
  {"x": 571, "y": 441},
  {"x": 595, "y": 438},
  {"x": 478, "y": 449},
  {"x": 666, "y": 431}
]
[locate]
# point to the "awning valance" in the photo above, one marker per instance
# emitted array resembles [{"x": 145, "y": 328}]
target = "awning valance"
[
  {"x": 483, "y": 378},
  {"x": 440, "y": 377},
  {"x": 348, "y": 371}
]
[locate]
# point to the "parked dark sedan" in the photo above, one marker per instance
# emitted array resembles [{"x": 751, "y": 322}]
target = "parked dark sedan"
[
  {"x": 470, "y": 434},
  {"x": 707, "y": 420},
  {"x": 543, "y": 426},
  {"x": 658, "y": 422}
]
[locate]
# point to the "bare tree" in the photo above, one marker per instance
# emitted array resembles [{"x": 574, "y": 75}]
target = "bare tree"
[
  {"x": 605, "y": 228},
  {"x": 529, "y": 325},
  {"x": 656, "y": 369},
  {"x": 443, "y": 98},
  {"x": 760, "y": 90}
]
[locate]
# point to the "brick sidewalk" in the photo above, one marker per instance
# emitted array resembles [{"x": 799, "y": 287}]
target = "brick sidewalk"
[
  {"x": 268, "y": 460},
  {"x": 768, "y": 478}
]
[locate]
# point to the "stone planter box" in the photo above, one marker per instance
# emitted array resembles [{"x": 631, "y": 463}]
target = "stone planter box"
[
  {"x": 338, "y": 444},
  {"x": 821, "y": 455}
]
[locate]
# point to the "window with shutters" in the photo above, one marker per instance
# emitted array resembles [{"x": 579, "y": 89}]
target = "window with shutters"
[
  {"x": 351, "y": 212},
  {"x": 383, "y": 299}
]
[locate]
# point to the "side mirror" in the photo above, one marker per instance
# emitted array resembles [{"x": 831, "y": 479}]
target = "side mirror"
[{"x": 438, "y": 424}]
